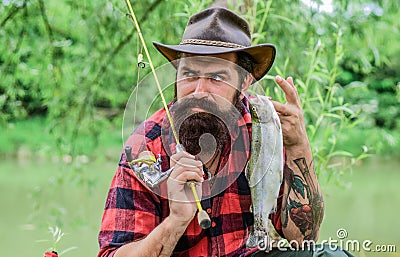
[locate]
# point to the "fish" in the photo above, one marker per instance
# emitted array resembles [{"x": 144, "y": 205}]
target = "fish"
[{"x": 264, "y": 170}]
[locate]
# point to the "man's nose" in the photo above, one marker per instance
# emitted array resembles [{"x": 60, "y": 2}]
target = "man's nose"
[{"x": 201, "y": 85}]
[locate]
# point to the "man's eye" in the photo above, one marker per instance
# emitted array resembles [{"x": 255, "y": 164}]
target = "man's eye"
[
  {"x": 189, "y": 74},
  {"x": 216, "y": 77}
]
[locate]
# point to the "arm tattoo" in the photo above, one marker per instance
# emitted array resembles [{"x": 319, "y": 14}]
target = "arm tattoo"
[{"x": 306, "y": 214}]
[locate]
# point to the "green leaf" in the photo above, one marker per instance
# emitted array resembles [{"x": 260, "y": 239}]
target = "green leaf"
[
  {"x": 298, "y": 186},
  {"x": 294, "y": 204}
]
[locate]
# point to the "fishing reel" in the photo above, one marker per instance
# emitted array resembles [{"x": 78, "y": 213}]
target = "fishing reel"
[{"x": 147, "y": 167}]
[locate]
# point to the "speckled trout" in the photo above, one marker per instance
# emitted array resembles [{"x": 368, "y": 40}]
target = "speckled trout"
[{"x": 264, "y": 170}]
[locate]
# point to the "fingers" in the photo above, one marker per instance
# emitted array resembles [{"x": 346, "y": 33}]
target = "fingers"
[
  {"x": 281, "y": 109},
  {"x": 186, "y": 168},
  {"x": 183, "y": 154},
  {"x": 290, "y": 80},
  {"x": 186, "y": 176},
  {"x": 289, "y": 89},
  {"x": 185, "y": 172}
]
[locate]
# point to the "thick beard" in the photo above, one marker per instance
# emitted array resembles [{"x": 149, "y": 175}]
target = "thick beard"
[
  {"x": 200, "y": 124},
  {"x": 191, "y": 125}
]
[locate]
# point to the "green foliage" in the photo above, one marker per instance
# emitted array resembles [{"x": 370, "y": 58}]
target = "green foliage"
[
  {"x": 15, "y": 137},
  {"x": 74, "y": 63},
  {"x": 372, "y": 37}
]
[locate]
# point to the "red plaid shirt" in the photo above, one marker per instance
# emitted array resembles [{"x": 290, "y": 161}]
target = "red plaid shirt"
[{"x": 132, "y": 210}]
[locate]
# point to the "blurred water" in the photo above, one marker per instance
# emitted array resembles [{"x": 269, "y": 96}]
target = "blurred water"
[
  {"x": 36, "y": 195},
  {"x": 367, "y": 207}
]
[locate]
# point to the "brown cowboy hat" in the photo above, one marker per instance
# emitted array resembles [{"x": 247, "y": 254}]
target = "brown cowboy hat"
[{"x": 217, "y": 31}]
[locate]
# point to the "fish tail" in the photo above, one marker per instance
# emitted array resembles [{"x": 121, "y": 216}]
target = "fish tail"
[{"x": 251, "y": 241}]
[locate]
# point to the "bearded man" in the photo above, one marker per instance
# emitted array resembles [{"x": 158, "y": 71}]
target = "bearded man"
[{"x": 216, "y": 65}]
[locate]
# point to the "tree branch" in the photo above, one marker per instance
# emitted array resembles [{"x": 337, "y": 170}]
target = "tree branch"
[
  {"x": 46, "y": 20},
  {"x": 123, "y": 42},
  {"x": 103, "y": 68},
  {"x": 11, "y": 14}
]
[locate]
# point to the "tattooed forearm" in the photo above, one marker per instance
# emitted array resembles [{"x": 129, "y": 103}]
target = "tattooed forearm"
[{"x": 303, "y": 202}]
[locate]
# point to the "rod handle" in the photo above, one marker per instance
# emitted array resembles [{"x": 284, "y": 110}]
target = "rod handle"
[
  {"x": 203, "y": 219},
  {"x": 202, "y": 216},
  {"x": 128, "y": 154}
]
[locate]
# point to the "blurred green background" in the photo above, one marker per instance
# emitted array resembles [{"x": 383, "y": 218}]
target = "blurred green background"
[{"x": 68, "y": 69}]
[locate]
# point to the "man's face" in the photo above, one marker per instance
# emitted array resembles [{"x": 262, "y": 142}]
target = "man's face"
[
  {"x": 213, "y": 77},
  {"x": 207, "y": 102}
]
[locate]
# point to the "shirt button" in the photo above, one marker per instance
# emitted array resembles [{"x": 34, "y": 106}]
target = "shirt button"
[
  {"x": 213, "y": 224},
  {"x": 209, "y": 210}
]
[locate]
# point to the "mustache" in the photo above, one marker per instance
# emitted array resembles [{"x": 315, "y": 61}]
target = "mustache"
[{"x": 185, "y": 105}]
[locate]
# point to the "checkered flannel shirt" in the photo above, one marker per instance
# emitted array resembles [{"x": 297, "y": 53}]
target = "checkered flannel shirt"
[{"x": 132, "y": 210}]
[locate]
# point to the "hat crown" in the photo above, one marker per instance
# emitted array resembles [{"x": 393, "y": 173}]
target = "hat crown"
[
  {"x": 217, "y": 31},
  {"x": 219, "y": 25}
]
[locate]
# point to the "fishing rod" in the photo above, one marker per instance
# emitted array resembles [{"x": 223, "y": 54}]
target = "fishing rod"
[{"x": 154, "y": 176}]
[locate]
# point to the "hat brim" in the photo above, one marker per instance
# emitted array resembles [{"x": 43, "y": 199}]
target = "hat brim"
[{"x": 263, "y": 54}]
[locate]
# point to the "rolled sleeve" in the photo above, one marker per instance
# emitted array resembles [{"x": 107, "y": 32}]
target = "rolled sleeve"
[{"x": 131, "y": 212}]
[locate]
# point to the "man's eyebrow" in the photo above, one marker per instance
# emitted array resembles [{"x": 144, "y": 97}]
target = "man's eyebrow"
[
  {"x": 224, "y": 72},
  {"x": 187, "y": 68}
]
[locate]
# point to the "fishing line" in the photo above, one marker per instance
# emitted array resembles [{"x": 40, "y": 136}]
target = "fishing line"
[
  {"x": 137, "y": 80},
  {"x": 203, "y": 218},
  {"x": 132, "y": 15}
]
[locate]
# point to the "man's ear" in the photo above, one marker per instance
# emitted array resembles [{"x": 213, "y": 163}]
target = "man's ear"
[{"x": 246, "y": 83}]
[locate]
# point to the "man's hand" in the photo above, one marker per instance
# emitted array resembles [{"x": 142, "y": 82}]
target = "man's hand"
[
  {"x": 305, "y": 199},
  {"x": 163, "y": 239},
  {"x": 181, "y": 201},
  {"x": 291, "y": 115}
]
